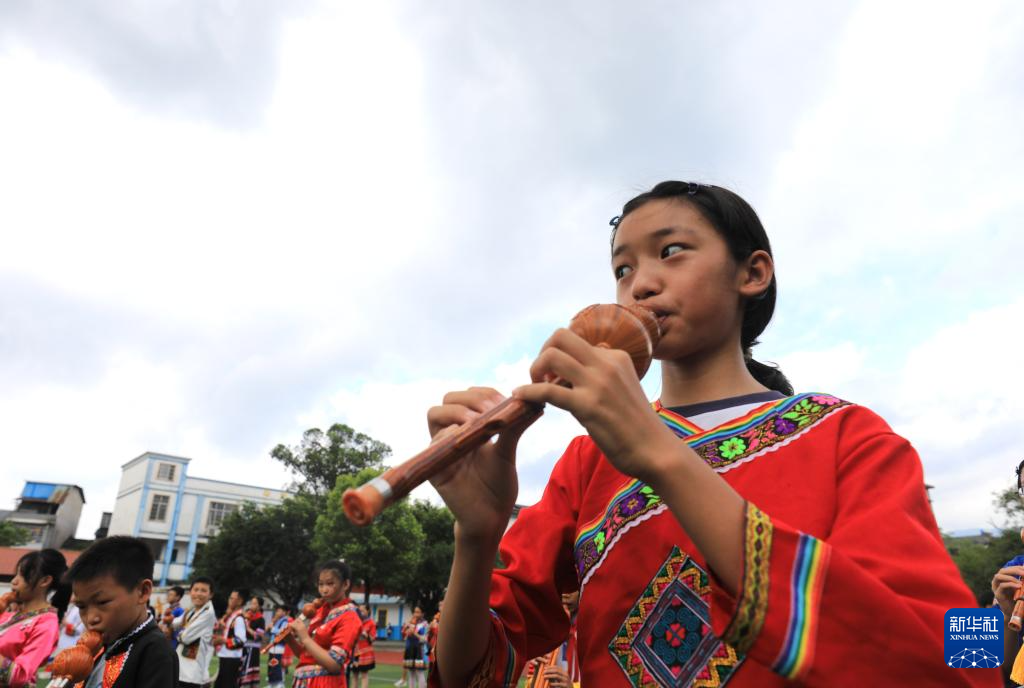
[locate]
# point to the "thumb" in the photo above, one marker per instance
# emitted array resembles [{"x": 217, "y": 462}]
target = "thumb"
[{"x": 508, "y": 439}]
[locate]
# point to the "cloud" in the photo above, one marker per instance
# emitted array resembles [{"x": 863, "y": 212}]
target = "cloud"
[
  {"x": 191, "y": 60},
  {"x": 224, "y": 223}
]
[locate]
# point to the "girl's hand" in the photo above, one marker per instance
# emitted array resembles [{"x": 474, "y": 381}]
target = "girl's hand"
[
  {"x": 605, "y": 396},
  {"x": 299, "y": 631},
  {"x": 1004, "y": 587},
  {"x": 482, "y": 487},
  {"x": 557, "y": 677}
]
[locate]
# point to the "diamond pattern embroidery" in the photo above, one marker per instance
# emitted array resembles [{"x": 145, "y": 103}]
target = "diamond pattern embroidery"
[{"x": 666, "y": 639}]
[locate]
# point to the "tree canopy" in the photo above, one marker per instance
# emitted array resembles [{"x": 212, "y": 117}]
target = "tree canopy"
[
  {"x": 322, "y": 457},
  {"x": 264, "y": 548},
  {"x": 979, "y": 558},
  {"x": 384, "y": 554},
  {"x": 12, "y": 535}
]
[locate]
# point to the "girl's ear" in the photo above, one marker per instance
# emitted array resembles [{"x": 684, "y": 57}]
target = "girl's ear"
[{"x": 756, "y": 274}]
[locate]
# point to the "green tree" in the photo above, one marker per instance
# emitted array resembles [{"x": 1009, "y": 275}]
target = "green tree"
[
  {"x": 322, "y": 457},
  {"x": 384, "y": 554},
  {"x": 265, "y": 549},
  {"x": 978, "y": 559},
  {"x": 431, "y": 577},
  {"x": 11, "y": 535}
]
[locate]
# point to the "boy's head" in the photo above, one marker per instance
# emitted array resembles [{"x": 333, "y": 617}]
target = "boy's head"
[
  {"x": 112, "y": 582},
  {"x": 175, "y": 594},
  {"x": 200, "y": 591},
  {"x": 280, "y": 611}
]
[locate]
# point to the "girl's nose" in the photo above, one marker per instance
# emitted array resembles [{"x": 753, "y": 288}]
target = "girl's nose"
[{"x": 646, "y": 284}]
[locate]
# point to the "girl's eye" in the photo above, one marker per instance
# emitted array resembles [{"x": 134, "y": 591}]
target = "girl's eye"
[
  {"x": 671, "y": 250},
  {"x": 621, "y": 271}
]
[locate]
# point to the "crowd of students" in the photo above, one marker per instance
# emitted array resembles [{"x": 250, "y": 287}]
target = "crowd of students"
[{"x": 112, "y": 584}]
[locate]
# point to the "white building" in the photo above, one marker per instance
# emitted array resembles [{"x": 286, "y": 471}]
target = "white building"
[{"x": 174, "y": 512}]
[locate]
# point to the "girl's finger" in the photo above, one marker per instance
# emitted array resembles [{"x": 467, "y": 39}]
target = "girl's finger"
[
  {"x": 556, "y": 363},
  {"x": 546, "y": 393}
]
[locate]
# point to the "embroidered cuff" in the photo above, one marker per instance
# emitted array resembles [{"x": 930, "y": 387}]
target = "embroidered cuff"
[
  {"x": 752, "y": 605},
  {"x": 498, "y": 667},
  {"x": 774, "y": 617},
  {"x": 338, "y": 654}
]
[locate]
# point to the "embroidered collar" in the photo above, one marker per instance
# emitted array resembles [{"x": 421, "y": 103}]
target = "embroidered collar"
[
  {"x": 125, "y": 642},
  {"x": 25, "y": 616}
]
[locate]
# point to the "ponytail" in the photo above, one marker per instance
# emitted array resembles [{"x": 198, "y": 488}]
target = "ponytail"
[{"x": 768, "y": 375}]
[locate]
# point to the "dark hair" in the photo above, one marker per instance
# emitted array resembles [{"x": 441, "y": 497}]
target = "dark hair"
[
  {"x": 35, "y": 566},
  {"x": 178, "y": 590},
  {"x": 208, "y": 582},
  {"x": 340, "y": 568},
  {"x": 129, "y": 560},
  {"x": 283, "y": 607},
  {"x": 738, "y": 224},
  {"x": 259, "y": 600}
]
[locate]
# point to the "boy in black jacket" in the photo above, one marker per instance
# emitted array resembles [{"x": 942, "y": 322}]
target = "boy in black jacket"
[{"x": 112, "y": 582}]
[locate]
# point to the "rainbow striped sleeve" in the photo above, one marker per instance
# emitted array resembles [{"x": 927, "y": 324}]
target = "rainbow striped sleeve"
[
  {"x": 805, "y": 584},
  {"x": 774, "y": 618}
]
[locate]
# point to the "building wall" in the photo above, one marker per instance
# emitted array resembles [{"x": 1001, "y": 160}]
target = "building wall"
[
  {"x": 184, "y": 521},
  {"x": 68, "y": 515}
]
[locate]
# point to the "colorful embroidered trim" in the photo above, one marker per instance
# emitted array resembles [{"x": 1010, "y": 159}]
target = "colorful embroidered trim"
[
  {"x": 339, "y": 654},
  {"x": 764, "y": 429},
  {"x": 633, "y": 503},
  {"x": 25, "y": 616},
  {"x": 752, "y": 606},
  {"x": 666, "y": 638},
  {"x": 485, "y": 673},
  {"x": 112, "y": 667},
  {"x": 678, "y": 424},
  {"x": 805, "y": 594}
]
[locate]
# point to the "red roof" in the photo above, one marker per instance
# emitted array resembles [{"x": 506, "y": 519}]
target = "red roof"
[{"x": 9, "y": 557}]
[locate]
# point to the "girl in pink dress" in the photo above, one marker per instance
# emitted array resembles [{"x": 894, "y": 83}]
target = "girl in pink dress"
[{"x": 29, "y": 636}]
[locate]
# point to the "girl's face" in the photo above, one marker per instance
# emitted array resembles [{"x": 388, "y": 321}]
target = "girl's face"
[
  {"x": 669, "y": 259},
  {"x": 254, "y": 605},
  {"x": 330, "y": 586},
  {"x": 25, "y": 591}
]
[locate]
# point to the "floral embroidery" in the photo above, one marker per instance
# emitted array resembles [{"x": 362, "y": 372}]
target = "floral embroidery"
[
  {"x": 633, "y": 503},
  {"x": 723, "y": 448},
  {"x": 763, "y": 429},
  {"x": 732, "y": 447},
  {"x": 666, "y": 638},
  {"x": 752, "y": 606},
  {"x": 112, "y": 668}
]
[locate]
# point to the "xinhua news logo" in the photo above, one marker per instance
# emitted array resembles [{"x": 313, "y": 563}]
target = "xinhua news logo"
[{"x": 974, "y": 638}]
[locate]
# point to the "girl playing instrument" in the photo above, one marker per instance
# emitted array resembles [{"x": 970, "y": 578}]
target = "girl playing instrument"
[
  {"x": 365, "y": 659},
  {"x": 415, "y": 660},
  {"x": 255, "y": 629},
  {"x": 731, "y": 531},
  {"x": 328, "y": 644},
  {"x": 29, "y": 636}
]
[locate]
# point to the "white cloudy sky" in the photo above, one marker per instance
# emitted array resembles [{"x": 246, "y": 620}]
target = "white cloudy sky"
[{"x": 222, "y": 223}]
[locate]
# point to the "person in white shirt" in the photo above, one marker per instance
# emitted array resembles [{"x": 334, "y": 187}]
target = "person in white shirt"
[
  {"x": 71, "y": 629},
  {"x": 230, "y": 642},
  {"x": 194, "y": 629}
]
